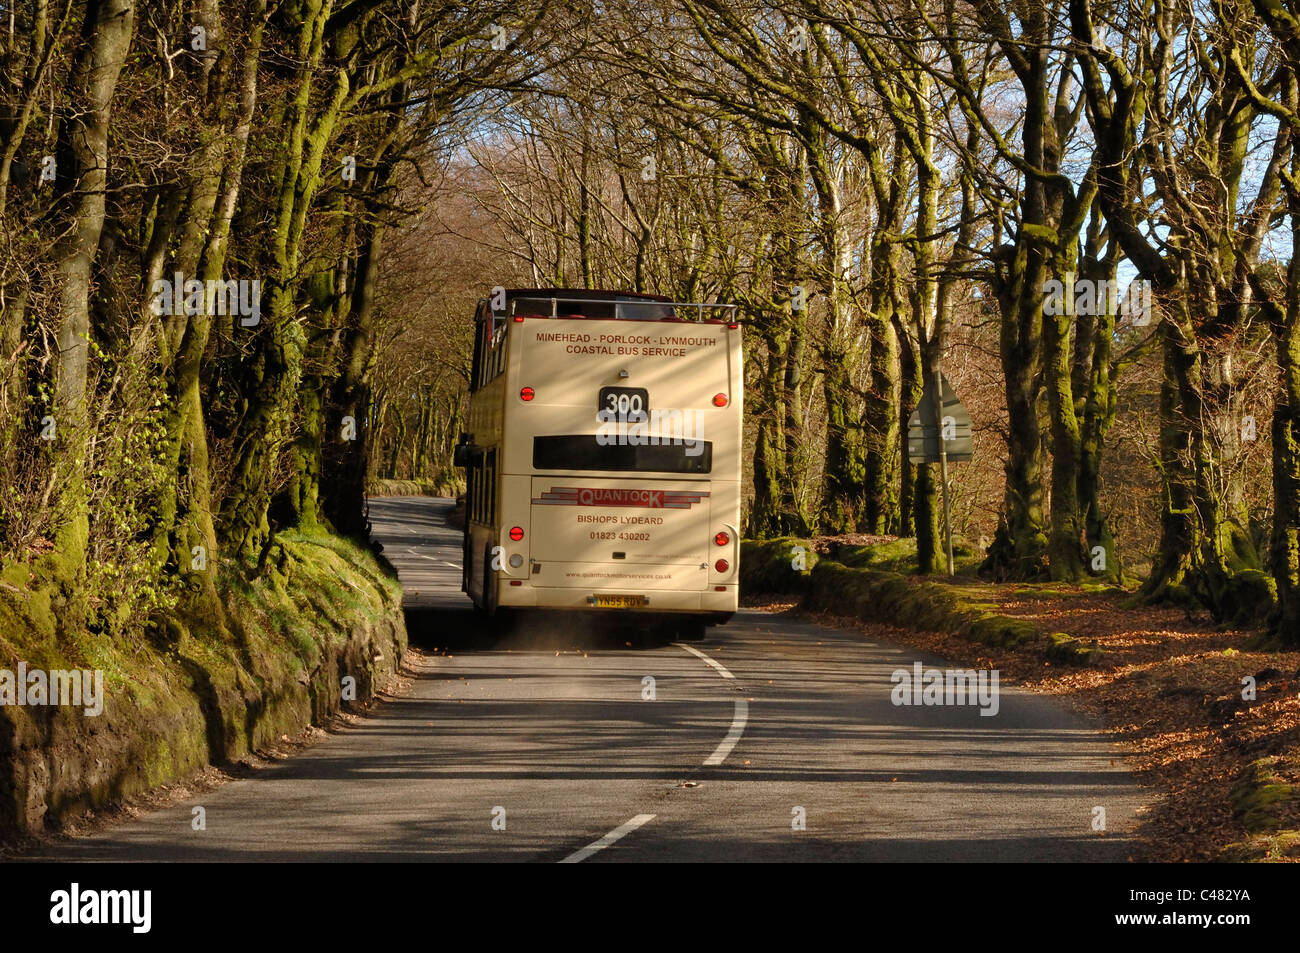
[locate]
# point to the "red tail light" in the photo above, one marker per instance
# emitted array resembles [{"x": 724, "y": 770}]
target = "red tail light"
[
  {"x": 722, "y": 539},
  {"x": 516, "y": 533},
  {"x": 519, "y": 319},
  {"x": 719, "y": 400},
  {"x": 721, "y": 565},
  {"x": 527, "y": 393}
]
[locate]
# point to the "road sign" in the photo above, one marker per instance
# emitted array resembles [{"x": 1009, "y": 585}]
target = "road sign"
[
  {"x": 952, "y": 427},
  {"x": 938, "y": 433}
]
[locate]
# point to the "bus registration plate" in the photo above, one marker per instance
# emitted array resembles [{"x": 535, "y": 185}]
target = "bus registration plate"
[{"x": 618, "y": 602}]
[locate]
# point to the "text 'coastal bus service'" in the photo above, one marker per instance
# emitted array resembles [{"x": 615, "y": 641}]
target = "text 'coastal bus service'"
[{"x": 603, "y": 457}]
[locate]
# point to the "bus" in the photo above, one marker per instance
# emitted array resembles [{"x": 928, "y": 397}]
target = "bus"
[{"x": 602, "y": 456}]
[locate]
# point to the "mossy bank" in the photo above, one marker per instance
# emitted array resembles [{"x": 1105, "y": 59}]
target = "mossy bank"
[
  {"x": 1266, "y": 801},
  {"x": 863, "y": 582},
  {"x": 321, "y": 627}
]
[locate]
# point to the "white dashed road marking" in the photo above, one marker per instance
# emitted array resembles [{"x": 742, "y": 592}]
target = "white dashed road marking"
[
  {"x": 578, "y": 856},
  {"x": 738, "y": 720},
  {"x": 719, "y": 755}
]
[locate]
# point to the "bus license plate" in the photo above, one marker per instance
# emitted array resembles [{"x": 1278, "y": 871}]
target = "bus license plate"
[{"x": 618, "y": 602}]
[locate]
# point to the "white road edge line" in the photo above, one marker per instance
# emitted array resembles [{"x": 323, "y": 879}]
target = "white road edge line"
[
  {"x": 738, "y": 720},
  {"x": 432, "y": 559},
  {"x": 717, "y": 666},
  {"x": 578, "y": 856},
  {"x": 737, "y": 729},
  {"x": 719, "y": 755}
]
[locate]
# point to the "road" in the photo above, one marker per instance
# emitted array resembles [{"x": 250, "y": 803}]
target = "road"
[{"x": 545, "y": 746}]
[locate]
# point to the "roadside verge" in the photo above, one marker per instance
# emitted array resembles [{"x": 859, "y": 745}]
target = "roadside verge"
[{"x": 320, "y": 631}]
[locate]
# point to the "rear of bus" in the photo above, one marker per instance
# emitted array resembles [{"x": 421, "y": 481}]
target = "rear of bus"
[{"x": 621, "y": 440}]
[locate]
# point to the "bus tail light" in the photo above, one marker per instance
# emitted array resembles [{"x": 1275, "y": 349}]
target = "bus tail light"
[
  {"x": 719, "y": 400},
  {"x": 516, "y": 533},
  {"x": 722, "y": 539},
  {"x": 527, "y": 393},
  {"x": 519, "y": 319},
  {"x": 721, "y": 565}
]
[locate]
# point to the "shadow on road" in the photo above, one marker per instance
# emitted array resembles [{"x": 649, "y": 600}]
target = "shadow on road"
[{"x": 437, "y": 628}]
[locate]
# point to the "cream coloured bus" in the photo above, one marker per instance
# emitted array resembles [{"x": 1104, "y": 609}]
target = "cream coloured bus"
[{"x": 603, "y": 457}]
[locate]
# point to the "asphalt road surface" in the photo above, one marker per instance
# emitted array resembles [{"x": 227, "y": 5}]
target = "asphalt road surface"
[{"x": 551, "y": 745}]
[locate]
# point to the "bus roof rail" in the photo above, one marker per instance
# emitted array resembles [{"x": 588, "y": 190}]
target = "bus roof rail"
[{"x": 617, "y": 304}]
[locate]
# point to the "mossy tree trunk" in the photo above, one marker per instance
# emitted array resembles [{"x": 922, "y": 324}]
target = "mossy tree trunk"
[
  {"x": 890, "y": 401},
  {"x": 910, "y": 388},
  {"x": 203, "y": 211},
  {"x": 766, "y": 517},
  {"x": 346, "y": 462},
  {"x": 928, "y": 322},
  {"x": 1204, "y": 545},
  {"x": 82, "y": 158},
  {"x": 1035, "y": 349},
  {"x": 1202, "y": 275},
  {"x": 271, "y": 374},
  {"x": 1283, "y": 21},
  {"x": 23, "y": 87},
  {"x": 1286, "y": 440},
  {"x": 1095, "y": 396},
  {"x": 906, "y": 93}
]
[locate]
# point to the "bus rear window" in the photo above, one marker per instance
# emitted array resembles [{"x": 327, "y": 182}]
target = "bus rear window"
[{"x": 583, "y": 452}]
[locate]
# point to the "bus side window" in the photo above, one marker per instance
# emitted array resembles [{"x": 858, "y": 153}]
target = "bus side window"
[
  {"x": 489, "y": 348},
  {"x": 476, "y": 365},
  {"x": 496, "y": 359},
  {"x": 475, "y": 495},
  {"x": 479, "y": 508},
  {"x": 490, "y": 487},
  {"x": 489, "y": 352},
  {"x": 471, "y": 487}
]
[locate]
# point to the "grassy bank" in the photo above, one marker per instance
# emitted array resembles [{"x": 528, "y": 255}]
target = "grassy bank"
[
  {"x": 442, "y": 486},
  {"x": 864, "y": 582},
  {"x": 182, "y": 693}
]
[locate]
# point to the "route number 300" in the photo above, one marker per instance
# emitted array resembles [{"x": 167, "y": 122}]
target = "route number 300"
[{"x": 623, "y": 402}]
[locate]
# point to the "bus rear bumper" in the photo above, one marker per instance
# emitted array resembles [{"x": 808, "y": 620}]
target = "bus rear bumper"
[{"x": 657, "y": 601}]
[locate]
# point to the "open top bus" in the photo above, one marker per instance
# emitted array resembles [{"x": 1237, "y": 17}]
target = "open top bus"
[{"x": 603, "y": 457}]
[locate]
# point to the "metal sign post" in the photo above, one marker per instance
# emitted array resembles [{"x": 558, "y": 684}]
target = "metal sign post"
[{"x": 943, "y": 468}]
